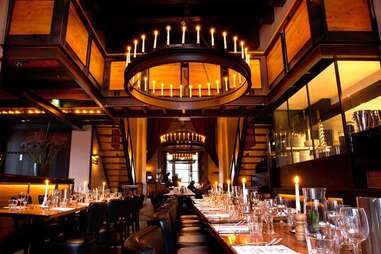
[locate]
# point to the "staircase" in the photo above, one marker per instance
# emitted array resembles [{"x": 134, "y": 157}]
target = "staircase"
[
  {"x": 254, "y": 150},
  {"x": 113, "y": 154}
]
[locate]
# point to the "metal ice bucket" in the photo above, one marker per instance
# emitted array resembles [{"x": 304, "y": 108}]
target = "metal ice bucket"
[{"x": 372, "y": 208}]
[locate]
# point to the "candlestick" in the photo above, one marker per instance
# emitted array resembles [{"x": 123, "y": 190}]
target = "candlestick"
[
  {"x": 143, "y": 42},
  {"x": 199, "y": 90},
  {"x": 128, "y": 55},
  {"x": 235, "y": 38},
  {"x": 145, "y": 83},
  {"x": 208, "y": 88},
  {"x": 226, "y": 83},
  {"x": 198, "y": 34},
  {"x": 170, "y": 90},
  {"x": 242, "y": 50},
  {"x": 234, "y": 79},
  {"x": 217, "y": 86},
  {"x": 135, "y": 47},
  {"x": 181, "y": 91},
  {"x": 103, "y": 189},
  {"x": 212, "y": 36},
  {"x": 168, "y": 31},
  {"x": 155, "y": 33},
  {"x": 153, "y": 86},
  {"x": 225, "y": 42},
  {"x": 184, "y": 28},
  {"x": 190, "y": 91},
  {"x": 297, "y": 196}
]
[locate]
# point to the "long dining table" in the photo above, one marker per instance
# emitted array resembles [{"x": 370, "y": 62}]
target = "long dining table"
[{"x": 240, "y": 241}]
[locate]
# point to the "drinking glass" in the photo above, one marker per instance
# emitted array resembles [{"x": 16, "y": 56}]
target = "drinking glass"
[
  {"x": 269, "y": 211},
  {"x": 255, "y": 223},
  {"x": 354, "y": 226}
]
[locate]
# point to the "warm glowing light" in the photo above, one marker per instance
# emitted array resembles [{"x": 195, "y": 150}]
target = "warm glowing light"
[
  {"x": 46, "y": 181},
  {"x": 184, "y": 28},
  {"x": 208, "y": 88},
  {"x": 226, "y": 83},
  {"x": 181, "y": 91},
  {"x": 135, "y": 47},
  {"x": 296, "y": 179},
  {"x": 143, "y": 42},
  {"x": 218, "y": 86},
  {"x": 168, "y": 34},
  {"x": 190, "y": 91},
  {"x": 198, "y": 34},
  {"x": 228, "y": 181},
  {"x": 128, "y": 55},
  {"x": 224, "y": 34},
  {"x": 155, "y": 33},
  {"x": 212, "y": 36},
  {"x": 98, "y": 111},
  {"x": 199, "y": 90},
  {"x": 234, "y": 79},
  {"x": 242, "y": 50},
  {"x": 162, "y": 89},
  {"x": 235, "y": 38},
  {"x": 170, "y": 89},
  {"x": 243, "y": 179},
  {"x": 145, "y": 83},
  {"x": 153, "y": 86}
]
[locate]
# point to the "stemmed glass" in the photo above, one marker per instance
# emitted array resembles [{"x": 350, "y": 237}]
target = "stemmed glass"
[{"x": 354, "y": 226}]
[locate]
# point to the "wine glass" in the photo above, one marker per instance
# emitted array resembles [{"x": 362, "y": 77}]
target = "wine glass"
[
  {"x": 354, "y": 226},
  {"x": 332, "y": 209}
]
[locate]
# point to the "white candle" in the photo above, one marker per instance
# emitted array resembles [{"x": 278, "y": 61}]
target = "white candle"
[
  {"x": 145, "y": 83},
  {"x": 155, "y": 33},
  {"x": 216, "y": 185},
  {"x": 234, "y": 79},
  {"x": 297, "y": 195},
  {"x": 153, "y": 86},
  {"x": 103, "y": 188},
  {"x": 225, "y": 42},
  {"x": 181, "y": 91},
  {"x": 128, "y": 55},
  {"x": 65, "y": 194},
  {"x": 199, "y": 90},
  {"x": 143, "y": 42},
  {"x": 84, "y": 186},
  {"x": 218, "y": 86},
  {"x": 170, "y": 90},
  {"x": 190, "y": 91},
  {"x": 212, "y": 36},
  {"x": 226, "y": 83},
  {"x": 235, "y": 38},
  {"x": 242, "y": 50},
  {"x": 46, "y": 192},
  {"x": 244, "y": 190},
  {"x": 184, "y": 28},
  {"x": 198, "y": 34},
  {"x": 162, "y": 89},
  {"x": 208, "y": 88},
  {"x": 168, "y": 31},
  {"x": 135, "y": 47},
  {"x": 229, "y": 187}
]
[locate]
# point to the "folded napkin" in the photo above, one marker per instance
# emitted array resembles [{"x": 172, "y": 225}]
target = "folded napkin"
[
  {"x": 217, "y": 215},
  {"x": 231, "y": 229},
  {"x": 252, "y": 249},
  {"x": 208, "y": 208},
  {"x": 62, "y": 209}
]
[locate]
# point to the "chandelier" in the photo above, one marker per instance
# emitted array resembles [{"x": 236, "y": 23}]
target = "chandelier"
[
  {"x": 182, "y": 156},
  {"x": 189, "y": 74},
  {"x": 182, "y": 141}
]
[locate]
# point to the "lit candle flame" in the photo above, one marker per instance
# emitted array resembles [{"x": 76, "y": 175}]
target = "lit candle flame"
[
  {"x": 135, "y": 47},
  {"x": 242, "y": 49},
  {"x": 212, "y": 36},
  {"x": 296, "y": 179},
  {"x": 184, "y": 28},
  {"x": 168, "y": 32},
  {"x": 198, "y": 34},
  {"x": 153, "y": 86},
  {"x": 208, "y": 88},
  {"x": 199, "y": 90},
  {"x": 190, "y": 91},
  {"x": 143, "y": 42},
  {"x": 181, "y": 91},
  {"x": 218, "y": 86},
  {"x": 162, "y": 89},
  {"x": 235, "y": 38},
  {"x": 155, "y": 33},
  {"x": 170, "y": 88},
  {"x": 225, "y": 42}
]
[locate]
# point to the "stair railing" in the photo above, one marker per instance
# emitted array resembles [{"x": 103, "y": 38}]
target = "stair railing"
[
  {"x": 128, "y": 149},
  {"x": 239, "y": 145}
]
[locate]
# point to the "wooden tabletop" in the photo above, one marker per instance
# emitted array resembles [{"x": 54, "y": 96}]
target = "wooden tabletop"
[
  {"x": 35, "y": 211},
  {"x": 282, "y": 231}
]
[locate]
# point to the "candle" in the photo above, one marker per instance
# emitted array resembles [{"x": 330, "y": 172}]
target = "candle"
[
  {"x": 65, "y": 194},
  {"x": 235, "y": 38},
  {"x": 228, "y": 186},
  {"x": 103, "y": 188},
  {"x": 162, "y": 89},
  {"x": 170, "y": 90},
  {"x": 192, "y": 136},
  {"x": 208, "y": 88},
  {"x": 218, "y": 86},
  {"x": 135, "y": 47},
  {"x": 128, "y": 55},
  {"x": 184, "y": 28},
  {"x": 168, "y": 31},
  {"x": 212, "y": 36},
  {"x": 46, "y": 193},
  {"x": 234, "y": 78},
  {"x": 190, "y": 91},
  {"x": 242, "y": 50},
  {"x": 297, "y": 196},
  {"x": 216, "y": 185},
  {"x": 84, "y": 185},
  {"x": 181, "y": 91},
  {"x": 226, "y": 83},
  {"x": 155, "y": 33},
  {"x": 188, "y": 136},
  {"x": 145, "y": 83},
  {"x": 143, "y": 42},
  {"x": 198, "y": 34},
  {"x": 225, "y": 42},
  {"x": 244, "y": 190},
  {"x": 199, "y": 90},
  {"x": 153, "y": 86}
]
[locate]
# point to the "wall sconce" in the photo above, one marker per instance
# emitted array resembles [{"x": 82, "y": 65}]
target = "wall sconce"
[{"x": 95, "y": 159}]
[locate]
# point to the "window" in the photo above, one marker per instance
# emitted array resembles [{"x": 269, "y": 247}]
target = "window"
[
  {"x": 185, "y": 170},
  {"x": 282, "y": 136}
]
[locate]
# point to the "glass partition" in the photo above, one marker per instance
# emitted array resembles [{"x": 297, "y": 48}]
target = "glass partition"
[
  {"x": 361, "y": 94},
  {"x": 281, "y": 135}
]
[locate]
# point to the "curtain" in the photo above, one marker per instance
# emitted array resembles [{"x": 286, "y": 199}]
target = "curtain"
[
  {"x": 156, "y": 127},
  {"x": 207, "y": 127}
]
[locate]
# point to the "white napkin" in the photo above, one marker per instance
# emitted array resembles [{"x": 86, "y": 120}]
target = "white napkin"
[
  {"x": 252, "y": 249},
  {"x": 231, "y": 229},
  {"x": 62, "y": 209},
  {"x": 217, "y": 215}
]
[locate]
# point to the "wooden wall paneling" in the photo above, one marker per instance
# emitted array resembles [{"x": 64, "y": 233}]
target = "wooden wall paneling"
[
  {"x": 31, "y": 17},
  {"x": 77, "y": 35},
  {"x": 274, "y": 61},
  {"x": 256, "y": 80},
  {"x": 117, "y": 75},
  {"x": 348, "y": 15},
  {"x": 97, "y": 63},
  {"x": 297, "y": 31},
  {"x": 167, "y": 73}
]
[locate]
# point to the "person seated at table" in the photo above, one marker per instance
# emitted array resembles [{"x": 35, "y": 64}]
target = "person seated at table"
[
  {"x": 205, "y": 186},
  {"x": 192, "y": 187}
]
